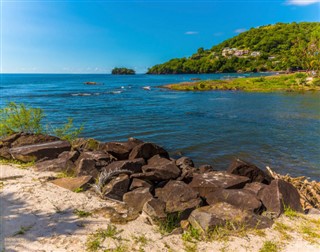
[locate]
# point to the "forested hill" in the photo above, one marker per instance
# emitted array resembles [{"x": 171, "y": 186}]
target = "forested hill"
[{"x": 276, "y": 47}]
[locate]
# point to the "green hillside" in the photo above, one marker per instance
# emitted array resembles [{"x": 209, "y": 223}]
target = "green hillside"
[{"x": 278, "y": 47}]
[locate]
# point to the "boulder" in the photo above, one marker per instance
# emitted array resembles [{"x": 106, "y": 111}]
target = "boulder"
[
  {"x": 23, "y": 139},
  {"x": 64, "y": 163},
  {"x": 205, "y": 168},
  {"x": 121, "y": 150},
  {"x": 187, "y": 174},
  {"x": 138, "y": 183},
  {"x": 147, "y": 151},
  {"x": 87, "y": 166},
  {"x": 73, "y": 183},
  {"x": 5, "y": 152},
  {"x": 117, "y": 187},
  {"x": 91, "y": 162},
  {"x": 279, "y": 195},
  {"x": 255, "y": 187},
  {"x": 208, "y": 218},
  {"x": 35, "y": 152},
  {"x": 155, "y": 208},
  {"x": 240, "y": 198},
  {"x": 206, "y": 183},
  {"x": 10, "y": 139},
  {"x": 160, "y": 168},
  {"x": 184, "y": 162},
  {"x": 84, "y": 145},
  {"x": 242, "y": 168},
  {"x": 137, "y": 198},
  {"x": 178, "y": 196},
  {"x": 133, "y": 165}
]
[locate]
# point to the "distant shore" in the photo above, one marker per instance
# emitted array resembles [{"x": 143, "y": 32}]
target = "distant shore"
[{"x": 284, "y": 82}]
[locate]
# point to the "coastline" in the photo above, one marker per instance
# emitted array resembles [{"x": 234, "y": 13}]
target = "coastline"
[
  {"x": 46, "y": 211},
  {"x": 295, "y": 82}
]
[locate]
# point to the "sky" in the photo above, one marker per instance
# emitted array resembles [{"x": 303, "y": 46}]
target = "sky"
[{"x": 61, "y": 36}]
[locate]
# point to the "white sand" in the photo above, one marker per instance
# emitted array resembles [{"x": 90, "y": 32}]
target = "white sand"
[{"x": 46, "y": 211}]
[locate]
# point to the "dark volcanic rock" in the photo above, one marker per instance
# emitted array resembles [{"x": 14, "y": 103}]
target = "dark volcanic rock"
[
  {"x": 133, "y": 165},
  {"x": 178, "y": 196},
  {"x": 31, "y": 139},
  {"x": 147, "y": 151},
  {"x": 239, "y": 198},
  {"x": 91, "y": 162},
  {"x": 137, "y": 183},
  {"x": 117, "y": 187},
  {"x": 73, "y": 183},
  {"x": 36, "y": 152},
  {"x": 184, "y": 162},
  {"x": 5, "y": 152},
  {"x": 242, "y": 168},
  {"x": 255, "y": 187},
  {"x": 209, "y": 217},
  {"x": 208, "y": 182},
  {"x": 159, "y": 168},
  {"x": 64, "y": 163},
  {"x": 121, "y": 150},
  {"x": 10, "y": 139},
  {"x": 187, "y": 174},
  {"x": 278, "y": 195},
  {"x": 87, "y": 166},
  {"x": 205, "y": 168},
  {"x": 155, "y": 208},
  {"x": 137, "y": 198}
]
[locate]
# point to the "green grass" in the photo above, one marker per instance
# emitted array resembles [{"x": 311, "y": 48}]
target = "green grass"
[
  {"x": 269, "y": 246},
  {"x": 95, "y": 239},
  {"x": 171, "y": 222},
  {"x": 22, "y": 230},
  {"x": 191, "y": 235},
  {"x": 66, "y": 174},
  {"x": 18, "y": 163},
  {"x": 283, "y": 230},
  {"x": 290, "y": 213},
  {"x": 310, "y": 232},
  {"x": 288, "y": 82},
  {"x": 81, "y": 213},
  {"x": 78, "y": 190}
]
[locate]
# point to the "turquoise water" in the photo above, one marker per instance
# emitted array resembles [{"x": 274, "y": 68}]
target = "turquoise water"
[{"x": 280, "y": 129}]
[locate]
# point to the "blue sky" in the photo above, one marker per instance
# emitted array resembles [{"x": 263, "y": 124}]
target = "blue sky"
[{"x": 43, "y": 36}]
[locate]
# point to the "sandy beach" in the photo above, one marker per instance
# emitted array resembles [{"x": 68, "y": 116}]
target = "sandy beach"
[{"x": 37, "y": 215}]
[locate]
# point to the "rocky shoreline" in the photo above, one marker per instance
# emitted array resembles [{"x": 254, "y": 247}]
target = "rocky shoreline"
[{"x": 145, "y": 179}]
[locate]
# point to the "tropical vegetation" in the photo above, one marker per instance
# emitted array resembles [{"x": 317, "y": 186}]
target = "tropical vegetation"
[
  {"x": 278, "y": 47},
  {"x": 285, "y": 82},
  {"x": 122, "y": 71}
]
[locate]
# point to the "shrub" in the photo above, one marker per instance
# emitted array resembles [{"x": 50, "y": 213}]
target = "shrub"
[{"x": 17, "y": 117}]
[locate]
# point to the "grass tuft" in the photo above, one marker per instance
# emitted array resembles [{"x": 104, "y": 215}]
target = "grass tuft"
[
  {"x": 269, "y": 246},
  {"x": 81, "y": 213}
]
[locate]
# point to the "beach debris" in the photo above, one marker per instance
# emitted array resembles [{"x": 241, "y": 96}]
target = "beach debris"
[{"x": 309, "y": 190}]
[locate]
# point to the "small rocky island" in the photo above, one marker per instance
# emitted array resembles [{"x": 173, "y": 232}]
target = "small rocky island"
[{"x": 122, "y": 71}]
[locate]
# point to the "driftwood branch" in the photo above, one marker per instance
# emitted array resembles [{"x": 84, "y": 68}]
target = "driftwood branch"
[{"x": 309, "y": 190}]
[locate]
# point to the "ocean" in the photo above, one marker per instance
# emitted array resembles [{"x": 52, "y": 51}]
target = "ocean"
[{"x": 279, "y": 129}]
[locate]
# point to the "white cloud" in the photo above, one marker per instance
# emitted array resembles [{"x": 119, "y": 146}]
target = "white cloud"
[
  {"x": 301, "y": 2},
  {"x": 240, "y": 30},
  {"x": 191, "y": 32}
]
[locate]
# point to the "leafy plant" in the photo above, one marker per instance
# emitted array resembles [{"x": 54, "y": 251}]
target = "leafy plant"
[
  {"x": 67, "y": 131},
  {"x": 78, "y": 190},
  {"x": 16, "y": 117},
  {"x": 269, "y": 246},
  {"x": 23, "y": 230},
  {"x": 191, "y": 234},
  {"x": 95, "y": 239},
  {"x": 168, "y": 224},
  {"x": 81, "y": 213}
]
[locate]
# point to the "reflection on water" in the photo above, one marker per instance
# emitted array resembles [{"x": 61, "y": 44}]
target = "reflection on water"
[{"x": 276, "y": 129}]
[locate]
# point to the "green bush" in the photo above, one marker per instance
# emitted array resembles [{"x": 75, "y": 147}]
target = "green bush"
[{"x": 17, "y": 117}]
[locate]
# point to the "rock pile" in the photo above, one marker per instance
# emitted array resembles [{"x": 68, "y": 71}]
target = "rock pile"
[{"x": 146, "y": 179}]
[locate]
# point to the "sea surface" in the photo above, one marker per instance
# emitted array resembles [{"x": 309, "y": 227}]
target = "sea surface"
[{"x": 280, "y": 130}]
